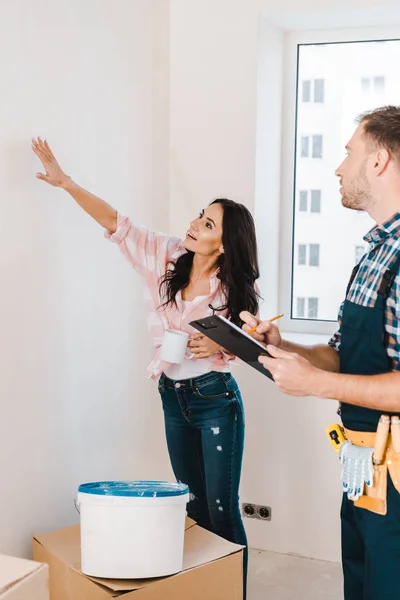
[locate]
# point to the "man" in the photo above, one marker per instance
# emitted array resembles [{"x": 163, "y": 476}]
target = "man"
[{"x": 360, "y": 366}]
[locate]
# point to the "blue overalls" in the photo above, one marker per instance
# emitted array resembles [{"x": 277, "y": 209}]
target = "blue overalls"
[{"x": 370, "y": 542}]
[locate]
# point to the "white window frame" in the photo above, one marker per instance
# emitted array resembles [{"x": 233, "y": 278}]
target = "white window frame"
[{"x": 280, "y": 34}]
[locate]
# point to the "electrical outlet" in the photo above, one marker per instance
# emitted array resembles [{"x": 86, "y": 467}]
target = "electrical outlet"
[
  {"x": 256, "y": 511},
  {"x": 249, "y": 510},
  {"x": 264, "y": 513}
]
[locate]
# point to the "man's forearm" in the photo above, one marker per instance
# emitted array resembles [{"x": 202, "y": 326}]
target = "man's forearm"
[
  {"x": 321, "y": 356},
  {"x": 379, "y": 392}
]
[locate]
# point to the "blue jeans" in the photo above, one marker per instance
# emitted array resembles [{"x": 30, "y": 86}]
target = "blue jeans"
[{"x": 204, "y": 424}]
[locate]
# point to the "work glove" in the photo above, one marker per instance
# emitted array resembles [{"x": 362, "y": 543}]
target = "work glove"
[{"x": 357, "y": 469}]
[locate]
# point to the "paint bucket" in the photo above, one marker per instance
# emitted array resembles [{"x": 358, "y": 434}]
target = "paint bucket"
[{"x": 132, "y": 529}]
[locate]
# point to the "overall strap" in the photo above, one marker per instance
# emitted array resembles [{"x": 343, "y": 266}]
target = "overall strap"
[
  {"x": 352, "y": 278},
  {"x": 388, "y": 278}
]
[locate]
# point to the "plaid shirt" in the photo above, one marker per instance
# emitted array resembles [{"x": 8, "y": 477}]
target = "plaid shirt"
[{"x": 384, "y": 248}]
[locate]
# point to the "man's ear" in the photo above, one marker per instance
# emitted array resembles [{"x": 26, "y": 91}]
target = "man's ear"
[{"x": 381, "y": 162}]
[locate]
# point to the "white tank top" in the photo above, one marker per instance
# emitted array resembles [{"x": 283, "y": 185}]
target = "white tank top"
[{"x": 190, "y": 367}]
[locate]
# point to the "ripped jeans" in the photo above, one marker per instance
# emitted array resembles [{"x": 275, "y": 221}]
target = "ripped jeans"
[{"x": 204, "y": 424}]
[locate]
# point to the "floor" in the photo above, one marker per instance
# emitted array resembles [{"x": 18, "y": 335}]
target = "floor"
[{"x": 282, "y": 577}]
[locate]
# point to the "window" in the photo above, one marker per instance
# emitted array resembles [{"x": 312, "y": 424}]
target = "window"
[
  {"x": 314, "y": 255},
  {"x": 315, "y": 201},
  {"x": 322, "y": 131},
  {"x": 379, "y": 84},
  {"x": 300, "y": 305},
  {"x": 306, "y": 96},
  {"x": 317, "y": 146},
  {"x": 303, "y": 201},
  {"x": 373, "y": 84},
  {"x": 302, "y": 254},
  {"x": 308, "y": 254},
  {"x": 314, "y": 89},
  {"x": 365, "y": 84},
  {"x": 304, "y": 147},
  {"x": 360, "y": 251},
  {"x": 319, "y": 90},
  {"x": 349, "y": 54},
  {"x": 312, "y": 308},
  {"x": 314, "y": 205},
  {"x": 316, "y": 141}
]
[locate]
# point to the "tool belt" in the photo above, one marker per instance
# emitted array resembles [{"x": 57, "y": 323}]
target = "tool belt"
[{"x": 374, "y": 498}]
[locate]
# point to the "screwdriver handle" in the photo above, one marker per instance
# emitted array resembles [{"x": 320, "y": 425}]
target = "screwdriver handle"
[
  {"x": 381, "y": 439},
  {"x": 395, "y": 431}
]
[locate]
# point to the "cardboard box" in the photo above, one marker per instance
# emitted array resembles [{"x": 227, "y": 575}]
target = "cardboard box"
[
  {"x": 22, "y": 579},
  {"x": 212, "y": 570}
]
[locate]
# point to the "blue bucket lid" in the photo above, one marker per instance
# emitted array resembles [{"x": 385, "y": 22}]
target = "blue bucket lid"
[{"x": 136, "y": 489}]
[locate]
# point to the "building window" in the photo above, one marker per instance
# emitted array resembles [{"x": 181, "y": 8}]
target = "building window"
[
  {"x": 314, "y": 89},
  {"x": 379, "y": 84},
  {"x": 302, "y": 254},
  {"x": 315, "y": 201},
  {"x": 317, "y": 146},
  {"x": 304, "y": 146},
  {"x": 314, "y": 255},
  {"x": 308, "y": 254},
  {"x": 316, "y": 141},
  {"x": 300, "y": 308},
  {"x": 319, "y": 90},
  {"x": 373, "y": 84},
  {"x": 303, "y": 201},
  {"x": 310, "y": 201},
  {"x": 365, "y": 84},
  {"x": 312, "y": 312},
  {"x": 306, "y": 308}
]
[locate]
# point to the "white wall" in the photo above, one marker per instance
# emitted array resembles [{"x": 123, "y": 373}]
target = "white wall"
[
  {"x": 91, "y": 76},
  {"x": 214, "y": 58}
]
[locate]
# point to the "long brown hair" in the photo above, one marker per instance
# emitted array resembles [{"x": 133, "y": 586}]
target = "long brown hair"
[{"x": 238, "y": 265}]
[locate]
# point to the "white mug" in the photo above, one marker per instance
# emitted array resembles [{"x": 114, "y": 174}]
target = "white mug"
[{"x": 175, "y": 346}]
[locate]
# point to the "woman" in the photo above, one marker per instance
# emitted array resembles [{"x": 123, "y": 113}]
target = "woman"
[{"x": 213, "y": 270}]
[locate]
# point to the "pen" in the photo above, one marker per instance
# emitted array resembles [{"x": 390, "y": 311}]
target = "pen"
[{"x": 270, "y": 320}]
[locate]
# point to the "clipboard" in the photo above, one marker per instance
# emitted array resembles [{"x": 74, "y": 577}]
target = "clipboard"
[{"x": 235, "y": 340}]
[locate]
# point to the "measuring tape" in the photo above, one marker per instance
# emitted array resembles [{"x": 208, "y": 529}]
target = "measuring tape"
[{"x": 336, "y": 436}]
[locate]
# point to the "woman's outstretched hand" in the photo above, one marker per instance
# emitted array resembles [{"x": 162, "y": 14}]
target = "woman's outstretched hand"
[{"x": 54, "y": 174}]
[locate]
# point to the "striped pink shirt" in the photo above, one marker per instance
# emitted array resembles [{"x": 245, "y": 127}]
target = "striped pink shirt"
[{"x": 149, "y": 254}]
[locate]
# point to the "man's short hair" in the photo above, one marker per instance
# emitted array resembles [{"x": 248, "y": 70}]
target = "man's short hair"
[{"x": 382, "y": 128}]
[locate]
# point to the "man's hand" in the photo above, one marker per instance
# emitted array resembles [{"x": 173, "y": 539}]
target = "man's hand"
[
  {"x": 266, "y": 332},
  {"x": 202, "y": 347},
  {"x": 293, "y": 374}
]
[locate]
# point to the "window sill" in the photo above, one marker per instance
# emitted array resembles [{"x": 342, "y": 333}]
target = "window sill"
[{"x": 307, "y": 339}]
